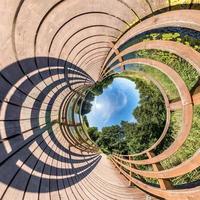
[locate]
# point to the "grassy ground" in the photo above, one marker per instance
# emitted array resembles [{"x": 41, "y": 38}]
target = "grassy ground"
[
  {"x": 166, "y": 83},
  {"x": 182, "y": 67},
  {"x": 191, "y": 145}
]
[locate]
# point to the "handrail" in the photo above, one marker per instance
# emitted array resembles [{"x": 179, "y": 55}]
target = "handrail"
[{"x": 183, "y": 18}]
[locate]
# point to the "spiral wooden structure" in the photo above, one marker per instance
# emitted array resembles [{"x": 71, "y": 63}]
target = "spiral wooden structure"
[{"x": 51, "y": 53}]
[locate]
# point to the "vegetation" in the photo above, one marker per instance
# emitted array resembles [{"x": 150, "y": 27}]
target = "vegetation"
[
  {"x": 182, "y": 67},
  {"x": 186, "y": 71},
  {"x": 167, "y": 84},
  {"x": 95, "y": 91},
  {"x": 135, "y": 137},
  {"x": 85, "y": 121},
  {"x": 99, "y": 86},
  {"x": 190, "y": 146},
  {"x": 189, "y": 75},
  {"x": 177, "y": 37},
  {"x": 130, "y": 138},
  {"x": 87, "y": 105},
  {"x": 182, "y": 35}
]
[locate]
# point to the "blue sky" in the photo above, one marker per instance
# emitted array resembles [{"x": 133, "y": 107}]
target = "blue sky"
[{"x": 115, "y": 104}]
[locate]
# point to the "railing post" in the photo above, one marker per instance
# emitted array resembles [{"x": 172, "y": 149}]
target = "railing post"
[
  {"x": 113, "y": 159},
  {"x": 120, "y": 58},
  {"x": 130, "y": 172},
  {"x": 164, "y": 183},
  {"x": 121, "y": 156}
]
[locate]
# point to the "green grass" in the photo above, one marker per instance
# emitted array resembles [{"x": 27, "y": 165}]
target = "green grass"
[
  {"x": 166, "y": 83},
  {"x": 187, "y": 178},
  {"x": 177, "y": 37},
  {"x": 182, "y": 67},
  {"x": 192, "y": 143},
  {"x": 190, "y": 146},
  {"x": 190, "y": 76}
]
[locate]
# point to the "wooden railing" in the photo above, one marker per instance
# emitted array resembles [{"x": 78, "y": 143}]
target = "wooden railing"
[{"x": 128, "y": 165}]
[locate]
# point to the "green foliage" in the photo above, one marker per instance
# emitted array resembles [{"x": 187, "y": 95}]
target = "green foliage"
[
  {"x": 177, "y": 37},
  {"x": 85, "y": 121},
  {"x": 135, "y": 137},
  {"x": 96, "y": 90},
  {"x": 174, "y": 128},
  {"x": 87, "y": 105},
  {"x": 182, "y": 67},
  {"x": 180, "y": 35},
  {"x": 190, "y": 146},
  {"x": 187, "y": 178},
  {"x": 110, "y": 139},
  {"x": 99, "y": 86},
  {"x": 167, "y": 84},
  {"x": 93, "y": 133},
  {"x": 150, "y": 116}
]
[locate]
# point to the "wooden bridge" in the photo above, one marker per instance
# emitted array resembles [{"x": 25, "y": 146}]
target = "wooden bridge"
[{"x": 51, "y": 52}]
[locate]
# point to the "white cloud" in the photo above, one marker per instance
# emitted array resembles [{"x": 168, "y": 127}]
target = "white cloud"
[{"x": 113, "y": 100}]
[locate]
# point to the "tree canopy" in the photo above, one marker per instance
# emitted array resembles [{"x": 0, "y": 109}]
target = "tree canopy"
[
  {"x": 128, "y": 137},
  {"x": 96, "y": 90}
]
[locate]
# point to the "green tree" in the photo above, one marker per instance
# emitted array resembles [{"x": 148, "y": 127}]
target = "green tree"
[
  {"x": 135, "y": 137},
  {"x": 93, "y": 133},
  {"x": 99, "y": 86},
  {"x": 150, "y": 116},
  {"x": 85, "y": 120},
  {"x": 87, "y": 105},
  {"x": 110, "y": 139},
  {"x": 96, "y": 90}
]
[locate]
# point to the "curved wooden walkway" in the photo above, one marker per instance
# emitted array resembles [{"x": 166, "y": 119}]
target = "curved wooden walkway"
[{"x": 51, "y": 52}]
